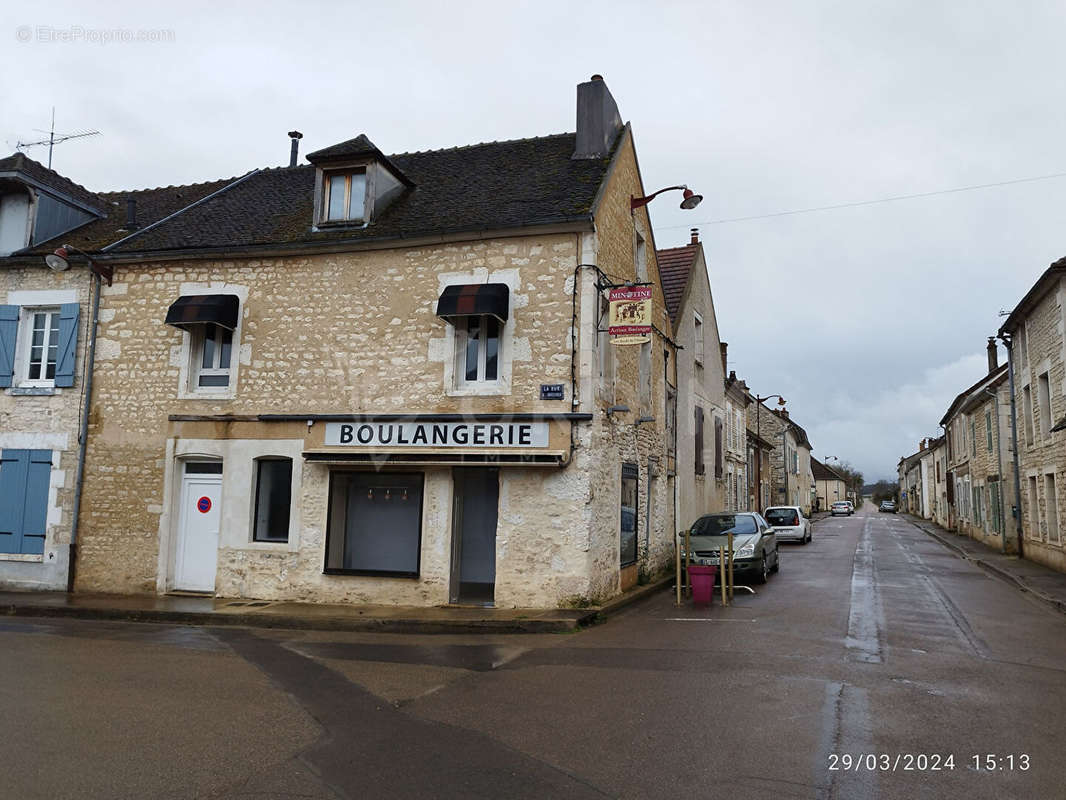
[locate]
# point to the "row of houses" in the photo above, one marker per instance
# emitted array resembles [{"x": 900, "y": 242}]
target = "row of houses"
[
  {"x": 367, "y": 378},
  {"x": 994, "y": 472}
]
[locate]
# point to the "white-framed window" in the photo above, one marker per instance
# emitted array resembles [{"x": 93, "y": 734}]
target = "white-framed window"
[
  {"x": 212, "y": 358},
  {"x": 477, "y": 351},
  {"x": 698, "y": 334},
  {"x": 344, "y": 196},
  {"x": 39, "y": 346},
  {"x": 1034, "y": 509}
]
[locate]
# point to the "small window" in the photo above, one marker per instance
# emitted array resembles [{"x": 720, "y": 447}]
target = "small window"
[
  {"x": 628, "y": 525},
  {"x": 1027, "y": 403},
  {"x": 1051, "y": 507},
  {"x": 1043, "y": 396},
  {"x": 213, "y": 352},
  {"x": 345, "y": 197},
  {"x": 698, "y": 335},
  {"x": 988, "y": 429},
  {"x": 273, "y": 494},
  {"x": 973, "y": 436},
  {"x": 477, "y": 349},
  {"x": 42, "y": 344}
]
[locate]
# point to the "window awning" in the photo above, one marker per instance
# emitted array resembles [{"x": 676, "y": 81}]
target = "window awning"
[
  {"x": 474, "y": 299},
  {"x": 204, "y": 309}
]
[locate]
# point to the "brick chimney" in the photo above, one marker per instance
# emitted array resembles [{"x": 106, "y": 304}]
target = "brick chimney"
[
  {"x": 993, "y": 359},
  {"x": 724, "y": 346},
  {"x": 695, "y": 236},
  {"x": 598, "y": 120}
]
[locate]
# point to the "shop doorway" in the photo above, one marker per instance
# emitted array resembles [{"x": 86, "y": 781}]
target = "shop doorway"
[{"x": 474, "y": 517}]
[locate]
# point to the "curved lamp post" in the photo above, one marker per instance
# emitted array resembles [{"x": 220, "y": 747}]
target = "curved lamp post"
[
  {"x": 690, "y": 200},
  {"x": 758, "y": 432}
]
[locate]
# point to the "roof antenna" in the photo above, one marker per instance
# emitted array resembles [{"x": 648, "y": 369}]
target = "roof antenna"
[{"x": 53, "y": 140}]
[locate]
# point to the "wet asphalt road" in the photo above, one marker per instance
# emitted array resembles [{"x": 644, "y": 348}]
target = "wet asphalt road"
[{"x": 873, "y": 641}]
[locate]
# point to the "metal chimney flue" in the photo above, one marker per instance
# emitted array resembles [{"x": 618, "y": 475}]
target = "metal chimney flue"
[
  {"x": 131, "y": 213},
  {"x": 294, "y": 151}
]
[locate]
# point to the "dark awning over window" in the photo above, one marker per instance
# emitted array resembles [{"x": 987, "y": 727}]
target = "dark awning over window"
[
  {"x": 474, "y": 299},
  {"x": 201, "y": 309}
]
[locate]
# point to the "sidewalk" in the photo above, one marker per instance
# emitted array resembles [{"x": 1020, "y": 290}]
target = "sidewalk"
[
  {"x": 1047, "y": 585},
  {"x": 191, "y": 610}
]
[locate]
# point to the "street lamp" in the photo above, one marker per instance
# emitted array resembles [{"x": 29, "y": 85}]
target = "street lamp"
[
  {"x": 690, "y": 200},
  {"x": 758, "y": 433}
]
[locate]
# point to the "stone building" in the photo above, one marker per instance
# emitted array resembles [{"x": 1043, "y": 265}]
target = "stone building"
[
  {"x": 1036, "y": 347},
  {"x": 791, "y": 479},
  {"x": 383, "y": 379},
  {"x": 735, "y": 443},
  {"x": 760, "y": 455},
  {"x": 830, "y": 486},
  {"x": 701, "y": 401},
  {"x": 44, "y": 314}
]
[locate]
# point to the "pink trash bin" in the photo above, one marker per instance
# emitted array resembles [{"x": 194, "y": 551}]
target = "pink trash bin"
[{"x": 702, "y": 581}]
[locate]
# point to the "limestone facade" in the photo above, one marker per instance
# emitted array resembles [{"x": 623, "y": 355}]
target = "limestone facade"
[{"x": 354, "y": 335}]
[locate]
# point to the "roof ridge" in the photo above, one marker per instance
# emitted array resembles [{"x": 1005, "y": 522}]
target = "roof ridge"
[
  {"x": 123, "y": 192},
  {"x": 482, "y": 144},
  {"x": 59, "y": 175}
]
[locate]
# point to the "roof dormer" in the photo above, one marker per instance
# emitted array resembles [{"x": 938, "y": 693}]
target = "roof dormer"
[{"x": 354, "y": 183}]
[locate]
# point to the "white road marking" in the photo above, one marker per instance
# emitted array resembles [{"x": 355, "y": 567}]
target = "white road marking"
[{"x": 866, "y": 615}]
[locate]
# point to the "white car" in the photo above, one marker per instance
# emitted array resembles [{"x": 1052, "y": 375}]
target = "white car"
[
  {"x": 841, "y": 508},
  {"x": 788, "y": 523}
]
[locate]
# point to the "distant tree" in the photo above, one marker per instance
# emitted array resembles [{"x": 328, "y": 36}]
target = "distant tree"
[
  {"x": 853, "y": 479},
  {"x": 885, "y": 490}
]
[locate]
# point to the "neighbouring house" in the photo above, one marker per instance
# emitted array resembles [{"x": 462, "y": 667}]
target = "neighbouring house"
[
  {"x": 1034, "y": 334},
  {"x": 938, "y": 448},
  {"x": 912, "y": 484},
  {"x": 760, "y": 455},
  {"x": 791, "y": 480},
  {"x": 830, "y": 485},
  {"x": 735, "y": 447},
  {"x": 702, "y": 415},
  {"x": 371, "y": 378},
  {"x": 43, "y": 317}
]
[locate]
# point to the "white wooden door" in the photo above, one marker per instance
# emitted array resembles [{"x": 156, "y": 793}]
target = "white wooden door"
[{"x": 198, "y": 520}]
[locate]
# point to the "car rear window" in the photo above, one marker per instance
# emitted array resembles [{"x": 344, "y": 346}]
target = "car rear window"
[
  {"x": 782, "y": 516},
  {"x": 840, "y": 504},
  {"x": 718, "y": 524}
]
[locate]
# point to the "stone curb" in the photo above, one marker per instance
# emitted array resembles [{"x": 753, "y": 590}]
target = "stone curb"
[
  {"x": 412, "y": 625},
  {"x": 997, "y": 571}
]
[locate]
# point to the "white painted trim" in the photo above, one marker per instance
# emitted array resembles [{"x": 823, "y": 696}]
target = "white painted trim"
[{"x": 42, "y": 297}]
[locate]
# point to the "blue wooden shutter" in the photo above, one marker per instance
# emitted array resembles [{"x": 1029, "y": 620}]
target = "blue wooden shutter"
[
  {"x": 68, "y": 344},
  {"x": 24, "y": 478},
  {"x": 9, "y": 325}
]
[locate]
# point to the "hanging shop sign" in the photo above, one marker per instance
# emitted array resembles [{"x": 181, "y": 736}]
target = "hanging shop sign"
[
  {"x": 630, "y": 319},
  {"x": 462, "y": 435}
]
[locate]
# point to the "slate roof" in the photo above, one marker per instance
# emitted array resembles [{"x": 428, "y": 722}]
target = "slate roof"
[
  {"x": 960, "y": 399},
  {"x": 353, "y": 148},
  {"x": 675, "y": 266},
  {"x": 824, "y": 473},
  {"x": 20, "y": 162},
  {"x": 492, "y": 186}
]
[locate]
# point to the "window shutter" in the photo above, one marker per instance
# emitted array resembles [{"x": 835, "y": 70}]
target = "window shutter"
[
  {"x": 24, "y": 476},
  {"x": 718, "y": 448},
  {"x": 950, "y": 477},
  {"x": 9, "y": 325},
  {"x": 699, "y": 441},
  {"x": 68, "y": 344}
]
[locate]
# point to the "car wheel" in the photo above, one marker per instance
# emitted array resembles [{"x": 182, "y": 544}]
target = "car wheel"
[
  {"x": 763, "y": 573},
  {"x": 777, "y": 560},
  {"x": 809, "y": 537}
]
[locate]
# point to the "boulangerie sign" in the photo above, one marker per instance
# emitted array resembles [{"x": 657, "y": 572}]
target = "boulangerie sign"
[
  {"x": 630, "y": 317},
  {"x": 470, "y": 434}
]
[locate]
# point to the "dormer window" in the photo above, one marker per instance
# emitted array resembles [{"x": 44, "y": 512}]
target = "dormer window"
[
  {"x": 345, "y": 199},
  {"x": 354, "y": 184}
]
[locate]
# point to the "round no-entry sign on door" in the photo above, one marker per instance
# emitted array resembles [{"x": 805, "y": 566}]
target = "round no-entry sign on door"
[{"x": 203, "y": 505}]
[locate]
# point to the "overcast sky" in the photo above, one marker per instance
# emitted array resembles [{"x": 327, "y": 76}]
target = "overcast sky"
[{"x": 868, "y": 320}]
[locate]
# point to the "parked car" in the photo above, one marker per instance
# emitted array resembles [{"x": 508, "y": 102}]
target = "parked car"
[
  {"x": 851, "y": 506},
  {"x": 788, "y": 523},
  {"x": 888, "y": 505},
  {"x": 755, "y": 552},
  {"x": 841, "y": 508}
]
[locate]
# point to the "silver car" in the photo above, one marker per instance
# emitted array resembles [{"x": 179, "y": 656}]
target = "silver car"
[
  {"x": 788, "y": 523},
  {"x": 755, "y": 553}
]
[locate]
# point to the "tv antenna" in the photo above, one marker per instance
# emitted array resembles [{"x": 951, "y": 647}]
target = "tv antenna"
[{"x": 54, "y": 139}]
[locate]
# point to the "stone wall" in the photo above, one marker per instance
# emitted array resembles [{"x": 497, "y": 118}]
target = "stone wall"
[{"x": 46, "y": 422}]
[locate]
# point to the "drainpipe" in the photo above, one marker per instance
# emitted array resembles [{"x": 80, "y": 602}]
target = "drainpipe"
[
  {"x": 999, "y": 469},
  {"x": 90, "y": 361},
  {"x": 1008, "y": 341}
]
